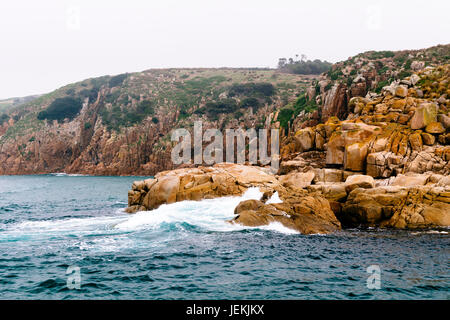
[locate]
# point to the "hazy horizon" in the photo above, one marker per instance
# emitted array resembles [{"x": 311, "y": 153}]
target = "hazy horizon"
[{"x": 50, "y": 44}]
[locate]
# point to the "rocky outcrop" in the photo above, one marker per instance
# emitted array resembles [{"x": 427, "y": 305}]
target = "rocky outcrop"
[
  {"x": 312, "y": 202},
  {"x": 301, "y": 212},
  {"x": 398, "y": 207},
  {"x": 391, "y": 133},
  {"x": 224, "y": 179}
]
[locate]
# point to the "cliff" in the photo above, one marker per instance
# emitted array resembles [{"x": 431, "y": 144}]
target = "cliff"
[{"x": 121, "y": 125}]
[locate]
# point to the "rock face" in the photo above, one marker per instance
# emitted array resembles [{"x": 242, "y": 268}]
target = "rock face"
[
  {"x": 297, "y": 180},
  {"x": 387, "y": 134}
]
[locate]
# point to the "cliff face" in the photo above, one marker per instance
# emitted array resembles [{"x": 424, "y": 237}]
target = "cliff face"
[{"x": 125, "y": 122}]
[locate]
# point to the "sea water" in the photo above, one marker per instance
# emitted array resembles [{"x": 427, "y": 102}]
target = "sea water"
[{"x": 53, "y": 224}]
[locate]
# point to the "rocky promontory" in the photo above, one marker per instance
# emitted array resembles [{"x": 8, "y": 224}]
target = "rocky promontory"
[
  {"x": 385, "y": 164},
  {"x": 319, "y": 201}
]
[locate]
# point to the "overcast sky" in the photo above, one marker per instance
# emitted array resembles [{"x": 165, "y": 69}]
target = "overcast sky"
[{"x": 46, "y": 44}]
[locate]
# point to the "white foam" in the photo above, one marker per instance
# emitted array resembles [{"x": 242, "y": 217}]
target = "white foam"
[
  {"x": 277, "y": 227},
  {"x": 275, "y": 198},
  {"x": 63, "y": 174},
  {"x": 62, "y": 227},
  {"x": 210, "y": 214}
]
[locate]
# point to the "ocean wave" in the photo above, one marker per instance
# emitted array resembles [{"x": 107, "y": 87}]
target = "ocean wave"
[
  {"x": 208, "y": 214},
  {"x": 63, "y": 174},
  {"x": 185, "y": 216}
]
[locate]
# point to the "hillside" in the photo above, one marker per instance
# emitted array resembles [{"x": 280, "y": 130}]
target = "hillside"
[{"x": 121, "y": 124}]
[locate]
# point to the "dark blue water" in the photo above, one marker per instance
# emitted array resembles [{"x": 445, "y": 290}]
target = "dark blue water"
[{"x": 188, "y": 251}]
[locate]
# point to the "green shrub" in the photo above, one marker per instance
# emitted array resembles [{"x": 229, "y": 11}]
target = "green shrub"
[
  {"x": 238, "y": 115},
  {"x": 145, "y": 107},
  {"x": 404, "y": 74},
  {"x": 408, "y": 64},
  {"x": 334, "y": 75},
  {"x": 119, "y": 116},
  {"x": 250, "y": 102},
  {"x": 3, "y": 118},
  {"x": 303, "y": 104},
  {"x": 383, "y": 70},
  {"x": 117, "y": 80},
  {"x": 380, "y": 85},
  {"x": 284, "y": 116},
  {"x": 304, "y": 66},
  {"x": 261, "y": 89},
  {"x": 89, "y": 93},
  {"x": 61, "y": 108},
  {"x": 380, "y": 54},
  {"x": 214, "y": 109}
]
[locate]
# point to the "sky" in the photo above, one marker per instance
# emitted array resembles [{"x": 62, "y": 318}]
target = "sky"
[{"x": 47, "y": 44}]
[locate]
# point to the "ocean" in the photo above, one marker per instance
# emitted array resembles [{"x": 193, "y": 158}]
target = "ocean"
[{"x": 68, "y": 237}]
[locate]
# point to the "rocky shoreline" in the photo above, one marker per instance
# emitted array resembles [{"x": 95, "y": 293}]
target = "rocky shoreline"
[
  {"x": 311, "y": 202},
  {"x": 386, "y": 165}
]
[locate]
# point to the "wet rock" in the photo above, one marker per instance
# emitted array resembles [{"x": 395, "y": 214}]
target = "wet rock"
[{"x": 306, "y": 214}]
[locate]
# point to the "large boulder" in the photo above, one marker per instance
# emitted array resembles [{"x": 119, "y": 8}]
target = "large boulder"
[
  {"x": 164, "y": 191},
  {"x": 304, "y": 139},
  {"x": 383, "y": 164},
  {"x": 355, "y": 156},
  {"x": 304, "y": 213},
  {"x": 359, "y": 181},
  {"x": 297, "y": 180},
  {"x": 349, "y": 146},
  {"x": 410, "y": 180},
  {"x": 425, "y": 114}
]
